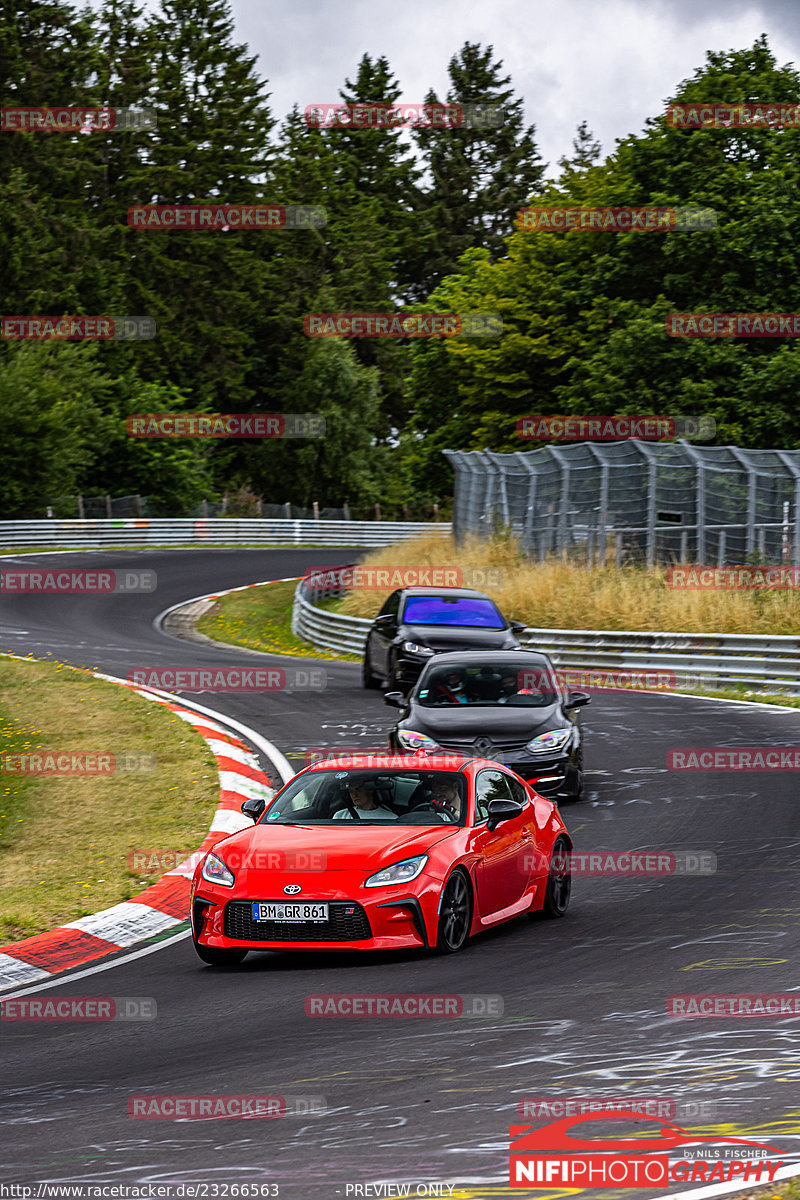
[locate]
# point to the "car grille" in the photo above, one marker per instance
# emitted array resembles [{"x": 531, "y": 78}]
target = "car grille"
[
  {"x": 341, "y": 926},
  {"x": 468, "y": 746}
]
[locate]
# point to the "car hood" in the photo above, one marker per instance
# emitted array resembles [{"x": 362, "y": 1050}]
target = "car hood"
[
  {"x": 457, "y": 637},
  {"x": 346, "y": 847},
  {"x": 463, "y": 721}
]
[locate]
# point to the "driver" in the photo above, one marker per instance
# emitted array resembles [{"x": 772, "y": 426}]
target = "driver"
[
  {"x": 444, "y": 794},
  {"x": 450, "y": 688},
  {"x": 362, "y": 797}
]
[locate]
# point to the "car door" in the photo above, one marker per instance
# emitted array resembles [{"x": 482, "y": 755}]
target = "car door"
[
  {"x": 505, "y": 852},
  {"x": 382, "y": 634}
]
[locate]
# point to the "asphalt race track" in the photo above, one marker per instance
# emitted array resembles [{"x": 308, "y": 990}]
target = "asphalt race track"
[{"x": 430, "y": 1099}]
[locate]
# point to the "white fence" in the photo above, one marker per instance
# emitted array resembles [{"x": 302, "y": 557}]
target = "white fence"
[
  {"x": 769, "y": 664},
  {"x": 170, "y": 531}
]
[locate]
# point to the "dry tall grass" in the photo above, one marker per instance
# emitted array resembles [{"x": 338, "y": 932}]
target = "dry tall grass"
[{"x": 563, "y": 595}]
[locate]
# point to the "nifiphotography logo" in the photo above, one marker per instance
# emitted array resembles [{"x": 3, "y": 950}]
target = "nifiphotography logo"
[{"x": 549, "y": 1157}]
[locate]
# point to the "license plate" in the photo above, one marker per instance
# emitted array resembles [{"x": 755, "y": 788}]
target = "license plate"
[{"x": 289, "y": 912}]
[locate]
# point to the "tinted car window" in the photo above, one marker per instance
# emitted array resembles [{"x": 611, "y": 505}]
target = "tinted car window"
[
  {"x": 490, "y": 785},
  {"x": 498, "y": 685},
  {"x": 468, "y": 611},
  {"x": 413, "y": 797},
  {"x": 391, "y": 606},
  {"x": 518, "y": 792}
]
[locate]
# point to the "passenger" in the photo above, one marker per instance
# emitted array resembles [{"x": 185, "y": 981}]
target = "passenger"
[{"x": 362, "y": 797}]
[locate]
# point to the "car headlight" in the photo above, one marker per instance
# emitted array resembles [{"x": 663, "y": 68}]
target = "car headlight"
[
  {"x": 409, "y": 739},
  {"x": 545, "y": 743},
  {"x": 401, "y": 872},
  {"x": 215, "y": 871},
  {"x": 417, "y": 648}
]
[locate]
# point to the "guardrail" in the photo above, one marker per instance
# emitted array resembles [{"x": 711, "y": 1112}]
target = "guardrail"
[
  {"x": 768, "y": 664},
  {"x": 173, "y": 531}
]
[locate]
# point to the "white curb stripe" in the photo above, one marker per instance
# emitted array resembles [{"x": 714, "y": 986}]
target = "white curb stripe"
[
  {"x": 230, "y": 821},
  {"x": 225, "y": 750},
  {"x": 242, "y": 785},
  {"x": 14, "y": 971},
  {"x": 125, "y": 923}
]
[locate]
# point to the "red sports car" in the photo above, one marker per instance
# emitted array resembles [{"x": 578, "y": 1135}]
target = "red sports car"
[{"x": 365, "y": 854}]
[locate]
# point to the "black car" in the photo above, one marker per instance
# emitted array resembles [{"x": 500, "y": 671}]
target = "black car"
[
  {"x": 417, "y": 622},
  {"x": 507, "y": 705}
]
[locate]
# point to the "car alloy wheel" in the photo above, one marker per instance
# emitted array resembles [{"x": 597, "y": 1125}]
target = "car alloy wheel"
[
  {"x": 559, "y": 881},
  {"x": 455, "y": 915}
]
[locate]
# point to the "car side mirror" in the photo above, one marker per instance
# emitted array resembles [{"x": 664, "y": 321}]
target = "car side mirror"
[
  {"x": 578, "y": 699},
  {"x": 517, "y": 626},
  {"x": 502, "y": 810},
  {"x": 383, "y": 619},
  {"x": 254, "y": 807},
  {"x": 394, "y": 699}
]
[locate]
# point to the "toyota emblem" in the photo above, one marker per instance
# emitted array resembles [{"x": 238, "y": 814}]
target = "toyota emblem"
[
  {"x": 483, "y": 746},
  {"x": 292, "y": 889}
]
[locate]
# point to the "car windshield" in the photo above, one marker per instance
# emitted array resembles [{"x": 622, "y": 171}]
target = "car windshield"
[
  {"x": 490, "y": 686},
  {"x": 472, "y": 611},
  {"x": 413, "y": 797}
]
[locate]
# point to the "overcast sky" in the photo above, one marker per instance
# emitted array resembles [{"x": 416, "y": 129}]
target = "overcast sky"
[{"x": 611, "y": 62}]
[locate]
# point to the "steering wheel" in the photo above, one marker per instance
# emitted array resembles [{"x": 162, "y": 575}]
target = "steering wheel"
[{"x": 436, "y": 805}]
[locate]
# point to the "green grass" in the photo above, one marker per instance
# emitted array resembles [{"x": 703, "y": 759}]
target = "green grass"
[
  {"x": 260, "y": 618},
  {"x": 65, "y": 841}
]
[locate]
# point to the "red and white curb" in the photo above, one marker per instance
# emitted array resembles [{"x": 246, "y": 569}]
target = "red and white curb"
[{"x": 166, "y": 903}]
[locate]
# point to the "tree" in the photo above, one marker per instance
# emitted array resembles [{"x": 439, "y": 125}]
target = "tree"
[{"x": 480, "y": 176}]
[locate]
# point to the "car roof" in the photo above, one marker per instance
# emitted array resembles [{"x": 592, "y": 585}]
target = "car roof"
[
  {"x": 445, "y": 591},
  {"x": 485, "y": 658},
  {"x": 446, "y": 761}
]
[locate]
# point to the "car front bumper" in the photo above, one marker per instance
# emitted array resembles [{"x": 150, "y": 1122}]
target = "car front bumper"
[{"x": 386, "y": 918}]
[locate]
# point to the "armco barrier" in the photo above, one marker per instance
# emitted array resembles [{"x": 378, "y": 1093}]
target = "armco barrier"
[
  {"x": 168, "y": 531},
  {"x": 721, "y": 659}
]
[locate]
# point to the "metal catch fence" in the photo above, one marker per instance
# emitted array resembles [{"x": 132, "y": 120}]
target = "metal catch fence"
[{"x": 635, "y": 501}]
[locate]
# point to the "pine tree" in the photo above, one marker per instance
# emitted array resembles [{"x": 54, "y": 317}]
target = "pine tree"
[{"x": 481, "y": 175}]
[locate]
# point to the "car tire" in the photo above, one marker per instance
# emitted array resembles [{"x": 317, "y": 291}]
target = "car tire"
[
  {"x": 559, "y": 881},
  {"x": 394, "y": 683},
  {"x": 367, "y": 678},
  {"x": 455, "y": 916},
  {"x": 219, "y": 958}
]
